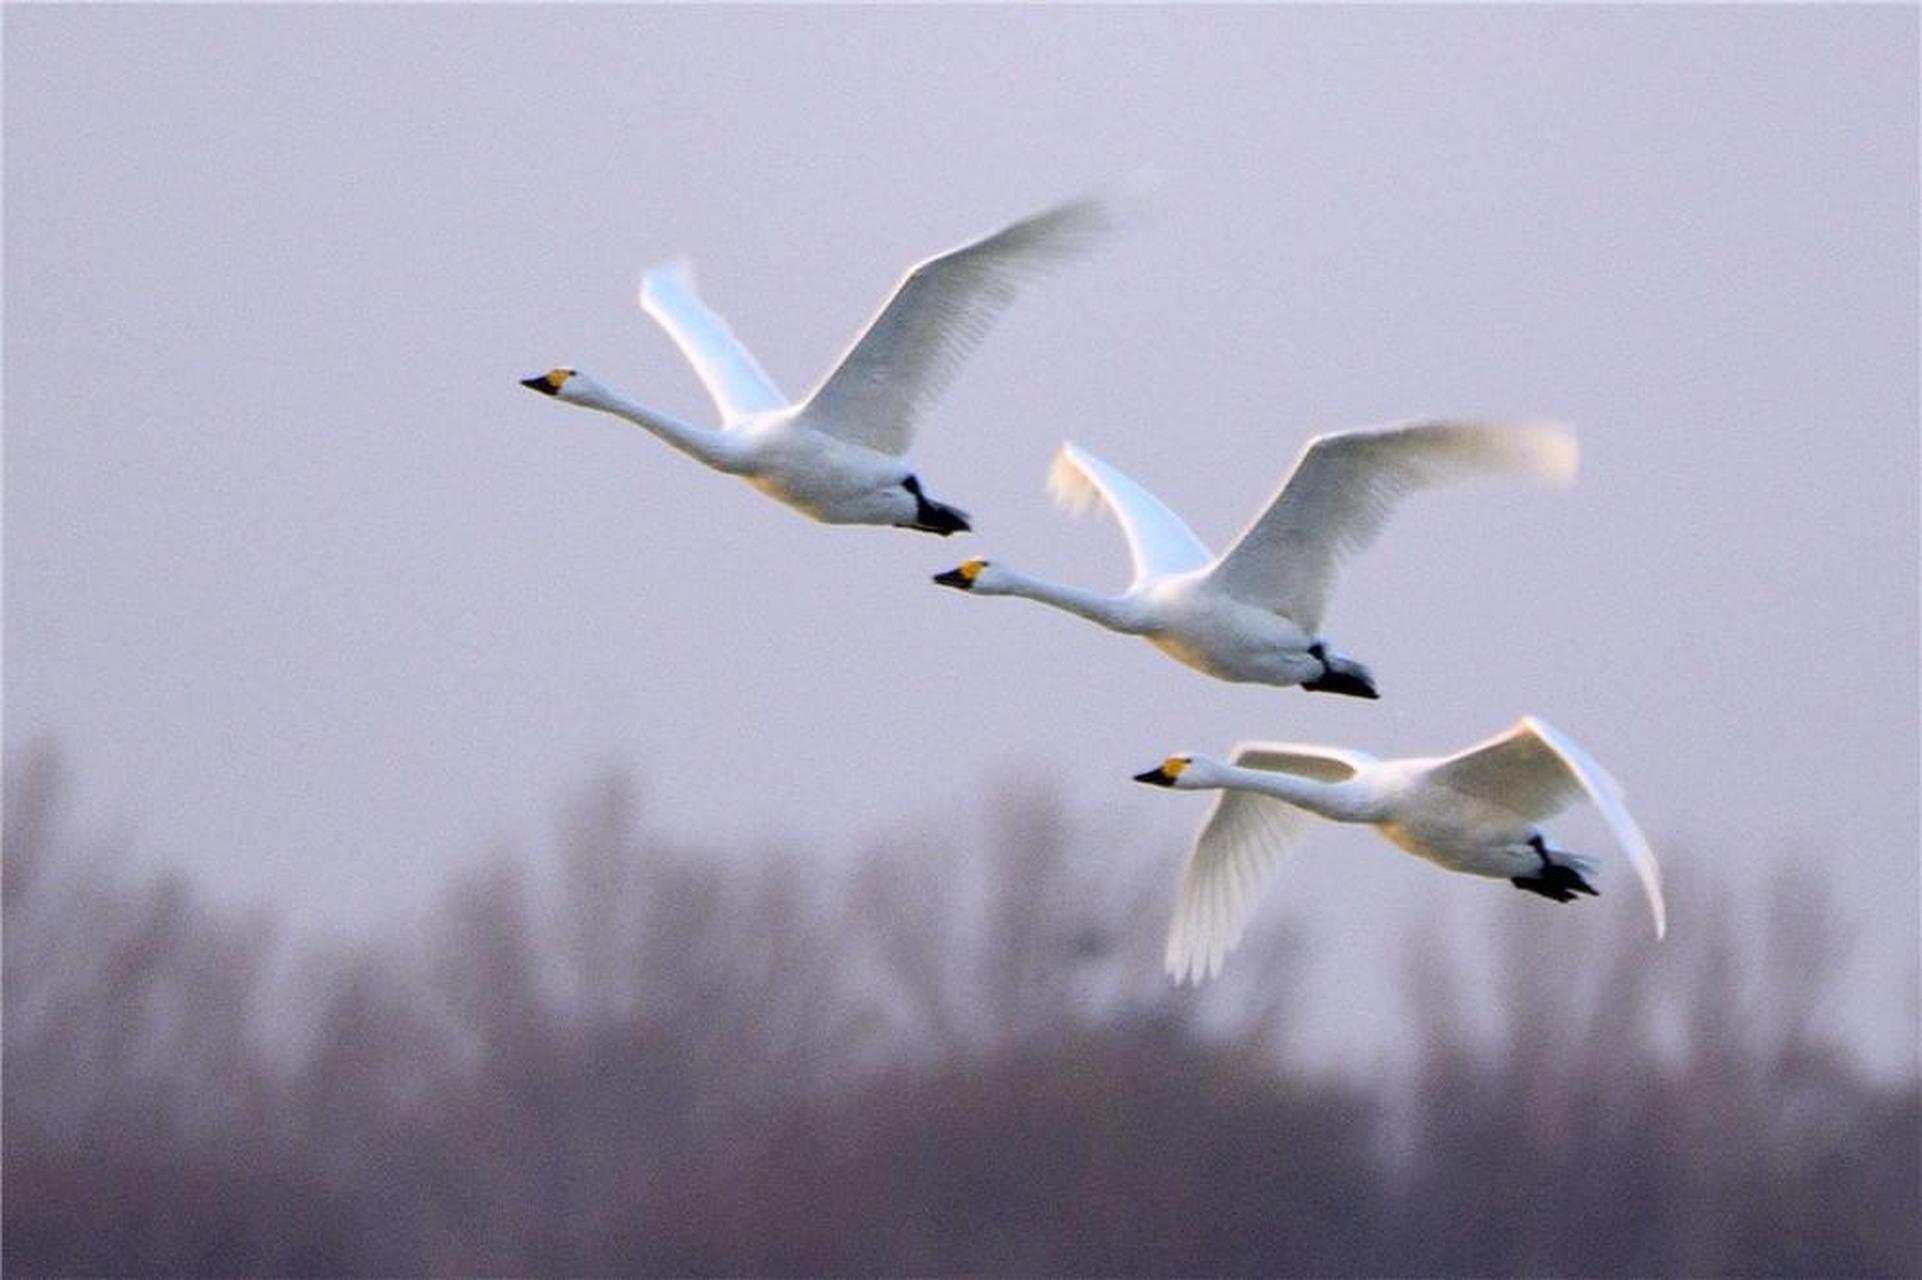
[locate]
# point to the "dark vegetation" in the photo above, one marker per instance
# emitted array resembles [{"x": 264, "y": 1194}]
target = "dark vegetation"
[{"x": 934, "y": 1061}]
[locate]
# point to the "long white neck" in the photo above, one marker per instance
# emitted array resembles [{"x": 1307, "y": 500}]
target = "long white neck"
[
  {"x": 1117, "y": 613},
  {"x": 1337, "y": 801},
  {"x": 718, "y": 449}
]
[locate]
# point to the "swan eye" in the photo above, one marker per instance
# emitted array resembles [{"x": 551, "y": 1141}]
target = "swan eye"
[
  {"x": 556, "y": 378},
  {"x": 1173, "y": 765}
]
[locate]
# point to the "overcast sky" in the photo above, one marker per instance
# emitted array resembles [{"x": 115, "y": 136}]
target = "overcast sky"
[{"x": 321, "y": 601}]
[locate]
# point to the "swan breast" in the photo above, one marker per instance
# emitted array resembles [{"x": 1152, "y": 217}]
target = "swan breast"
[{"x": 1224, "y": 637}]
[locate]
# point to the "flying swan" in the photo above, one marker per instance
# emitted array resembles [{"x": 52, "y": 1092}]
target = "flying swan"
[
  {"x": 838, "y": 455},
  {"x": 1253, "y": 613},
  {"x": 1477, "y": 811}
]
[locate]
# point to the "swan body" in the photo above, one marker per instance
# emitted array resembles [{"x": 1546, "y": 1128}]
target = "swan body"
[
  {"x": 839, "y": 455},
  {"x": 1478, "y": 812},
  {"x": 1252, "y": 614}
]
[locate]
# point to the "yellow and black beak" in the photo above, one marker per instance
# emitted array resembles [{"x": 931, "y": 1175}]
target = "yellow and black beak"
[
  {"x": 548, "y": 383},
  {"x": 1163, "y": 774},
  {"x": 962, "y": 577}
]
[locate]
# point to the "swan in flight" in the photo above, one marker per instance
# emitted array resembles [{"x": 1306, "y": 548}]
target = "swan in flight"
[
  {"x": 1253, "y": 613},
  {"x": 1477, "y": 811},
  {"x": 838, "y": 455}
]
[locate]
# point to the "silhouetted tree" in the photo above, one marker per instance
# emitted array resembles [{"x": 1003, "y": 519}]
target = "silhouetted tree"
[{"x": 631, "y": 1057}]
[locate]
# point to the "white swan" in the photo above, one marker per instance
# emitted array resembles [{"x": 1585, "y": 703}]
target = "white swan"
[
  {"x": 1477, "y": 811},
  {"x": 1253, "y": 613},
  {"x": 837, "y": 456}
]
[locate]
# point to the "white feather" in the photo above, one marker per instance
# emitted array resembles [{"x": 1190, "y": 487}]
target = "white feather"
[
  {"x": 1158, "y": 542},
  {"x": 733, "y": 377},
  {"x": 938, "y": 314},
  {"x": 1344, "y": 487},
  {"x": 1246, "y": 836}
]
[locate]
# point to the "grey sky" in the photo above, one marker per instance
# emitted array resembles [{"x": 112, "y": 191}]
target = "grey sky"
[{"x": 320, "y": 599}]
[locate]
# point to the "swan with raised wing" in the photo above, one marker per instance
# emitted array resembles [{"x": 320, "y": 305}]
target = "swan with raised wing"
[
  {"x": 1254, "y": 612},
  {"x": 1478, "y": 811},
  {"x": 838, "y": 455}
]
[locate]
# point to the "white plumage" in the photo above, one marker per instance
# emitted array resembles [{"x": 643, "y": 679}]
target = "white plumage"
[
  {"x": 739, "y": 386},
  {"x": 838, "y": 455},
  {"x": 1479, "y": 811},
  {"x": 1254, "y": 612}
]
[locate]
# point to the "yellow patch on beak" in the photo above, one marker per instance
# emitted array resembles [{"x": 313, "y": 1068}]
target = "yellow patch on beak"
[
  {"x": 971, "y": 569},
  {"x": 556, "y": 378},
  {"x": 1173, "y": 766}
]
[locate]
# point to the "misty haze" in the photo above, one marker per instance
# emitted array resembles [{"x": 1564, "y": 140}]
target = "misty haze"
[{"x": 448, "y": 832}]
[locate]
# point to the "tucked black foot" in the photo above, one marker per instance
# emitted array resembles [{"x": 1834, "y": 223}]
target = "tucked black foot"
[
  {"x": 934, "y": 517},
  {"x": 1554, "y": 880},
  {"x": 1343, "y": 683},
  {"x": 1350, "y": 682},
  {"x": 942, "y": 520},
  {"x": 1533, "y": 885}
]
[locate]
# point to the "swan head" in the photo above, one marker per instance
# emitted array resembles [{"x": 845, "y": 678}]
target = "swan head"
[
  {"x": 551, "y": 382},
  {"x": 1183, "y": 772},
  {"x": 971, "y": 575},
  {"x": 570, "y": 385},
  {"x": 1168, "y": 773}
]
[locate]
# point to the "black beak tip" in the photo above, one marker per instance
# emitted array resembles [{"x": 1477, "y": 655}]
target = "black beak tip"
[
  {"x": 1155, "y": 777},
  {"x": 540, "y": 384},
  {"x": 952, "y": 578}
]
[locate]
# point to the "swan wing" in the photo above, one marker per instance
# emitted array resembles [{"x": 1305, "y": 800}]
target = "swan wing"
[
  {"x": 1157, "y": 539},
  {"x": 1536, "y": 771},
  {"x": 1323, "y": 764},
  {"x": 1518, "y": 770},
  {"x": 1246, "y": 836},
  {"x": 729, "y": 371},
  {"x": 1344, "y": 487},
  {"x": 939, "y": 313}
]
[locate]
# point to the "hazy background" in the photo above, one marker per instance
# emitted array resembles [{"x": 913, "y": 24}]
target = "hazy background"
[
  {"x": 621, "y": 1056},
  {"x": 320, "y": 603}
]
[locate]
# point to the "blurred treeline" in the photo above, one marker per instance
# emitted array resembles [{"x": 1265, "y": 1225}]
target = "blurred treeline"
[{"x": 932, "y": 1060}]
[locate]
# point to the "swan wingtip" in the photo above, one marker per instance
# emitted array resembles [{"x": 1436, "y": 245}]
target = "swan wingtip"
[
  {"x": 676, "y": 270},
  {"x": 1554, "y": 450},
  {"x": 1068, "y": 484}
]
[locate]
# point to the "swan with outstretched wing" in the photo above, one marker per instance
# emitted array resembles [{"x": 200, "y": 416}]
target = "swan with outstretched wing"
[
  {"x": 839, "y": 455},
  {"x": 1479, "y": 811},
  {"x": 1254, "y": 612}
]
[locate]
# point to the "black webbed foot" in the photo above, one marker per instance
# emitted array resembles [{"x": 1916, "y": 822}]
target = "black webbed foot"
[
  {"x": 1342, "y": 683},
  {"x": 1555, "y": 880},
  {"x": 1351, "y": 681},
  {"x": 934, "y": 517}
]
